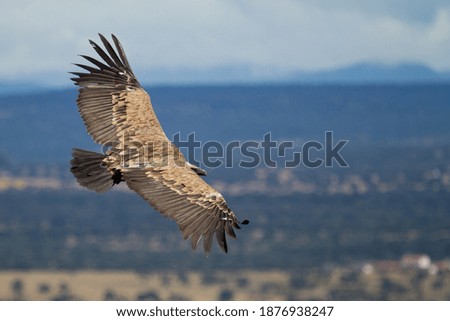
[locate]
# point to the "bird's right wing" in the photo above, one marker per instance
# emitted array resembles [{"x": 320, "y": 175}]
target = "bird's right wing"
[{"x": 180, "y": 194}]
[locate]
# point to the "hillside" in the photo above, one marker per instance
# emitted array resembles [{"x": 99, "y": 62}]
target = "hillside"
[{"x": 43, "y": 127}]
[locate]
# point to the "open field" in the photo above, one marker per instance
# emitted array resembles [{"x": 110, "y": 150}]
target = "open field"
[
  {"x": 339, "y": 283},
  {"x": 128, "y": 285}
]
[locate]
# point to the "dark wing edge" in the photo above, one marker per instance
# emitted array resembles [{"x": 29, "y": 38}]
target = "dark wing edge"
[
  {"x": 106, "y": 90},
  {"x": 197, "y": 217},
  {"x": 114, "y": 70}
]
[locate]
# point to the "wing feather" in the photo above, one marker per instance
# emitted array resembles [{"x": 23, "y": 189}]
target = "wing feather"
[
  {"x": 111, "y": 101},
  {"x": 187, "y": 201},
  {"x": 112, "y": 105},
  {"x": 95, "y": 62},
  {"x": 103, "y": 54},
  {"x": 112, "y": 53},
  {"x": 121, "y": 52}
]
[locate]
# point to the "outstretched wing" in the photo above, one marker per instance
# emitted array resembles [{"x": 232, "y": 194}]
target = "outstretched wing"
[
  {"x": 111, "y": 101},
  {"x": 180, "y": 194}
]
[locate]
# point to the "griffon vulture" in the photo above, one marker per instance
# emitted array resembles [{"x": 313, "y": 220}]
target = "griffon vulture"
[{"x": 118, "y": 113}]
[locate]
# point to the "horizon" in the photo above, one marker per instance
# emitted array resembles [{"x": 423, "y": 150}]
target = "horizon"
[
  {"x": 270, "y": 41},
  {"x": 356, "y": 74}
]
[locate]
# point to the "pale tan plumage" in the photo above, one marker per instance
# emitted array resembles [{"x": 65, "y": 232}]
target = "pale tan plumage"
[{"x": 118, "y": 113}]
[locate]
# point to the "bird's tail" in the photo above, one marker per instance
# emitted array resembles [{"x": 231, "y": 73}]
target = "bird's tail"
[{"x": 87, "y": 168}]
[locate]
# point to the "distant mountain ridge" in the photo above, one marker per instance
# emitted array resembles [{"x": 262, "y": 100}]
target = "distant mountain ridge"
[
  {"x": 361, "y": 73},
  {"x": 18, "y": 87},
  {"x": 374, "y": 73}
]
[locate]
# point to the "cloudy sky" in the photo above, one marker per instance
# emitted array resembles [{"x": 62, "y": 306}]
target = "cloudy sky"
[{"x": 39, "y": 39}]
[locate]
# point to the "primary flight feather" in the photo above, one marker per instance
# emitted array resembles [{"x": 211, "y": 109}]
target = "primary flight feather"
[{"x": 118, "y": 113}]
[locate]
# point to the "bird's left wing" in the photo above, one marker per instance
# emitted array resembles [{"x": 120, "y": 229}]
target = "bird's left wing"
[{"x": 111, "y": 101}]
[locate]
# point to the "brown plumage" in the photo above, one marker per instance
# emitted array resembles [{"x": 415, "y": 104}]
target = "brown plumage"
[{"x": 118, "y": 113}]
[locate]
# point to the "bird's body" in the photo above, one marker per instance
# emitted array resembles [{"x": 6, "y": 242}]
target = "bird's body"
[{"x": 118, "y": 114}]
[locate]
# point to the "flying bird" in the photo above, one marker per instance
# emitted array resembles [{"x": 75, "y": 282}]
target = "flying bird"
[{"x": 118, "y": 113}]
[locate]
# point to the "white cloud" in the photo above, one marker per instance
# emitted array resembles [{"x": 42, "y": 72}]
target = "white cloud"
[{"x": 43, "y": 37}]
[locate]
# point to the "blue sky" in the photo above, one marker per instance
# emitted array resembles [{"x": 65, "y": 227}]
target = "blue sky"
[{"x": 39, "y": 39}]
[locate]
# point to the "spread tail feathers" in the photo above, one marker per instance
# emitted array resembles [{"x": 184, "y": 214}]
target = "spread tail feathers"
[{"x": 87, "y": 168}]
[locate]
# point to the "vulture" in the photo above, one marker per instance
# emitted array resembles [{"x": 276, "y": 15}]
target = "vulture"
[{"x": 118, "y": 113}]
